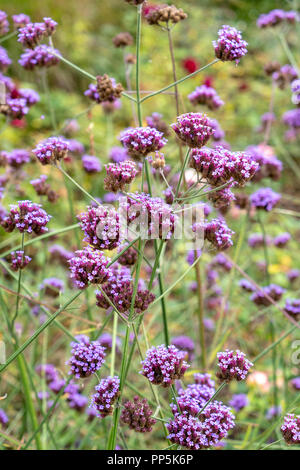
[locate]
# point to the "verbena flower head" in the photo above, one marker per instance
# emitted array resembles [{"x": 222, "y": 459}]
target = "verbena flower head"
[
  {"x": 106, "y": 341},
  {"x": 296, "y": 383},
  {"x": 30, "y": 96},
  {"x": 156, "y": 121},
  {"x": 186, "y": 344},
  {"x": 220, "y": 165},
  {"x": 192, "y": 399},
  {"x": 119, "y": 290},
  {"x": 265, "y": 198},
  {"x": 204, "y": 379},
  {"x": 123, "y": 39},
  {"x": 16, "y": 108},
  {"x": 129, "y": 257},
  {"x": 194, "y": 129},
  {"x": 3, "y": 418},
  {"x": 86, "y": 359},
  {"x": 292, "y": 307},
  {"x": 26, "y": 216},
  {"x": 89, "y": 266},
  {"x": 52, "y": 286},
  {"x": 292, "y": 118},
  {"x": 119, "y": 175},
  {"x": 221, "y": 198},
  {"x": 206, "y": 95},
  {"x": 246, "y": 285},
  {"x": 31, "y": 34},
  {"x": 91, "y": 164},
  {"x": 107, "y": 88},
  {"x": 293, "y": 274},
  {"x": 19, "y": 260},
  {"x": 256, "y": 240},
  {"x": 281, "y": 240},
  {"x": 118, "y": 154},
  {"x": 106, "y": 394},
  {"x": 217, "y": 233},
  {"x": 222, "y": 262},
  {"x": 163, "y": 365},
  {"x": 284, "y": 76},
  {"x": 140, "y": 141},
  {"x": 233, "y": 365},
  {"x": 17, "y": 158},
  {"x": 4, "y": 60},
  {"x": 230, "y": 44},
  {"x": 41, "y": 56},
  {"x": 213, "y": 425},
  {"x": 4, "y": 24},
  {"x": 276, "y": 17},
  {"x": 137, "y": 414},
  {"x": 238, "y": 401},
  {"x": 263, "y": 296},
  {"x": 51, "y": 150},
  {"x": 21, "y": 20},
  {"x": 291, "y": 429},
  {"x": 157, "y": 219},
  {"x": 48, "y": 371},
  {"x": 101, "y": 227}
]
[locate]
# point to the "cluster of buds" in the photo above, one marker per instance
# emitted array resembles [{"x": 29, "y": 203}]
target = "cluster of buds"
[
  {"x": 89, "y": 267},
  {"x": 19, "y": 260},
  {"x": 291, "y": 429},
  {"x": 137, "y": 414},
  {"x": 108, "y": 89},
  {"x": 129, "y": 257},
  {"x": 206, "y": 95},
  {"x": 86, "y": 358},
  {"x": 158, "y": 161},
  {"x": 119, "y": 175},
  {"x": 123, "y": 39},
  {"x": 233, "y": 365},
  {"x": 156, "y": 121},
  {"x": 44, "y": 189},
  {"x": 51, "y": 150},
  {"x": 31, "y": 34},
  {"x": 26, "y": 216},
  {"x": 41, "y": 56},
  {"x": 141, "y": 141},
  {"x": 101, "y": 227},
  {"x": 165, "y": 14},
  {"x": 230, "y": 46},
  {"x": 194, "y": 129},
  {"x": 106, "y": 394}
]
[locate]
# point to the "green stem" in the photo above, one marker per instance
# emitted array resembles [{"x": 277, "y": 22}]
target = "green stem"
[
  {"x": 113, "y": 347},
  {"x": 19, "y": 284},
  {"x": 138, "y": 47},
  {"x": 182, "y": 171},
  {"x": 200, "y": 313},
  {"x": 179, "y": 81},
  {"x": 78, "y": 185}
]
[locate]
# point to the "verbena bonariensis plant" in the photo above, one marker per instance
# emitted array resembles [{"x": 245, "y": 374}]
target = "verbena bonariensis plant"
[{"x": 140, "y": 355}]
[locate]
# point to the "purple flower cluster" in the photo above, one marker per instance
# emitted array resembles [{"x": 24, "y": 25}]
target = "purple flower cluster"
[
  {"x": 192, "y": 399},
  {"x": 118, "y": 154},
  {"x": 238, "y": 401},
  {"x": 291, "y": 429},
  {"x": 106, "y": 394},
  {"x": 246, "y": 285},
  {"x": 101, "y": 227},
  {"x": 265, "y": 198},
  {"x": 41, "y": 56},
  {"x": 18, "y": 157},
  {"x": 213, "y": 424},
  {"x": 256, "y": 240},
  {"x": 138, "y": 415},
  {"x": 4, "y": 24},
  {"x": 44, "y": 189},
  {"x": 281, "y": 240},
  {"x": 163, "y": 365},
  {"x": 26, "y": 216},
  {"x": 285, "y": 75},
  {"x": 292, "y": 307},
  {"x": 31, "y": 34},
  {"x": 291, "y": 118},
  {"x": 141, "y": 141},
  {"x": 230, "y": 44},
  {"x": 194, "y": 129},
  {"x": 296, "y": 383},
  {"x": 222, "y": 262},
  {"x": 233, "y": 365},
  {"x": 20, "y": 20},
  {"x": 186, "y": 344},
  {"x": 3, "y": 417},
  {"x": 91, "y": 164},
  {"x": 86, "y": 358},
  {"x": 277, "y": 16},
  {"x": 19, "y": 260},
  {"x": 51, "y": 150},
  {"x": 206, "y": 95},
  {"x": 119, "y": 175},
  {"x": 263, "y": 296},
  {"x": 157, "y": 219},
  {"x": 156, "y": 121},
  {"x": 52, "y": 286},
  {"x": 269, "y": 165},
  {"x": 89, "y": 266},
  {"x": 4, "y": 60},
  {"x": 218, "y": 233},
  {"x": 129, "y": 257},
  {"x": 293, "y": 274},
  {"x": 119, "y": 290},
  {"x": 220, "y": 166}
]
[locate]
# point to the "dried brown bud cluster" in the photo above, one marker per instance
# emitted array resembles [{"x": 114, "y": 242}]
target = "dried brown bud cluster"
[
  {"x": 166, "y": 14},
  {"x": 158, "y": 161},
  {"x": 108, "y": 89},
  {"x": 130, "y": 59},
  {"x": 271, "y": 67},
  {"x": 123, "y": 40}
]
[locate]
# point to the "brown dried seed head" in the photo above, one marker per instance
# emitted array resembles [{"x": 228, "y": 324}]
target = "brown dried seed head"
[
  {"x": 166, "y": 14},
  {"x": 123, "y": 40},
  {"x": 107, "y": 89}
]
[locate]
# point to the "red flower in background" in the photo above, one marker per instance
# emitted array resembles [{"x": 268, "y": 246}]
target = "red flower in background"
[
  {"x": 190, "y": 64},
  {"x": 208, "y": 81},
  {"x": 148, "y": 8},
  {"x": 21, "y": 123}
]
